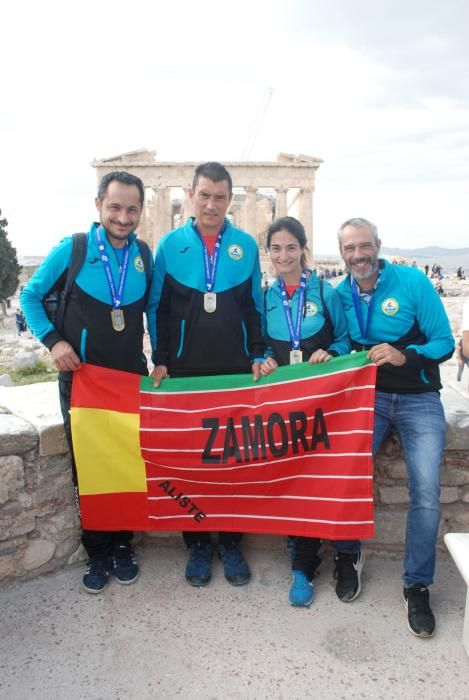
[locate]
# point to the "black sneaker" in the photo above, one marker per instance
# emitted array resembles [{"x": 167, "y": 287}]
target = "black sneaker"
[
  {"x": 348, "y": 572},
  {"x": 124, "y": 564},
  {"x": 420, "y": 618},
  {"x": 97, "y": 575}
]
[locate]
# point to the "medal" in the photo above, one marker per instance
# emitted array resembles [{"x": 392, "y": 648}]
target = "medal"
[
  {"x": 296, "y": 357},
  {"x": 294, "y": 328},
  {"x": 210, "y": 267},
  {"x": 210, "y": 302},
  {"x": 117, "y": 318},
  {"x": 117, "y": 314}
]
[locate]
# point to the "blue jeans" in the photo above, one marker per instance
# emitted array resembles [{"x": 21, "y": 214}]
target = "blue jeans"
[{"x": 419, "y": 421}]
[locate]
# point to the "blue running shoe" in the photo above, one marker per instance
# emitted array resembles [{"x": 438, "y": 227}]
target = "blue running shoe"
[
  {"x": 235, "y": 566},
  {"x": 301, "y": 591},
  {"x": 199, "y": 566},
  {"x": 97, "y": 574},
  {"x": 124, "y": 564}
]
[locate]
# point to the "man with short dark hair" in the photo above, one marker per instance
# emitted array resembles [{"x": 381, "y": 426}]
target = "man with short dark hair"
[
  {"x": 394, "y": 312},
  {"x": 103, "y": 325},
  {"x": 204, "y": 319}
]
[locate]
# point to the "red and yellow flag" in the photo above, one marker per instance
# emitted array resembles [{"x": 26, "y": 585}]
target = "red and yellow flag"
[{"x": 288, "y": 455}]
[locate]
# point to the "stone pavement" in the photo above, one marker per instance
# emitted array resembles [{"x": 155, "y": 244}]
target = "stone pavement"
[{"x": 160, "y": 638}]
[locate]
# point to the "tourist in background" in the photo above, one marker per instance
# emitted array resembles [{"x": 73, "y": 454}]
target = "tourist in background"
[
  {"x": 395, "y": 314},
  {"x": 304, "y": 322}
]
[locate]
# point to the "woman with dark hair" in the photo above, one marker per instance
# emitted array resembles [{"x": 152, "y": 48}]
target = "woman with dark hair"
[{"x": 304, "y": 322}]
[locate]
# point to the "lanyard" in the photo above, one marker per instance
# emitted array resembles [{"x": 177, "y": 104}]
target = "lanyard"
[
  {"x": 116, "y": 296},
  {"x": 210, "y": 261},
  {"x": 294, "y": 330},
  {"x": 358, "y": 308}
]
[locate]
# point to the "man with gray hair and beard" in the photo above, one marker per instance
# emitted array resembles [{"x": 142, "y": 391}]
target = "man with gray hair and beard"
[{"x": 395, "y": 314}]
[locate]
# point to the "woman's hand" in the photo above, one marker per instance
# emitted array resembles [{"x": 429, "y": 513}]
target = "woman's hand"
[
  {"x": 159, "y": 373},
  {"x": 319, "y": 356},
  {"x": 269, "y": 365}
]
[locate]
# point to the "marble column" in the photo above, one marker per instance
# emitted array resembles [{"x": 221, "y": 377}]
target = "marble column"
[
  {"x": 281, "y": 202},
  {"x": 163, "y": 217},
  {"x": 306, "y": 214},
  {"x": 187, "y": 209},
  {"x": 251, "y": 222}
]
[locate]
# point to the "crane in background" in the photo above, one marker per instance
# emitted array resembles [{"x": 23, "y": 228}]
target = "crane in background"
[{"x": 258, "y": 121}]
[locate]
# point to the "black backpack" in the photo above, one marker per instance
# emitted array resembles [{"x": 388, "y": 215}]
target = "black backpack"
[{"x": 55, "y": 304}]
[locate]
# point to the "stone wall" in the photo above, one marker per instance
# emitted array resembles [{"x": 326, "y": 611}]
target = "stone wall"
[{"x": 39, "y": 527}]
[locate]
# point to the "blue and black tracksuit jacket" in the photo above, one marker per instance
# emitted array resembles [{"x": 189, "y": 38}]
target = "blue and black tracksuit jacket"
[
  {"x": 408, "y": 314},
  {"x": 186, "y": 338},
  {"x": 87, "y": 321},
  {"x": 323, "y": 322}
]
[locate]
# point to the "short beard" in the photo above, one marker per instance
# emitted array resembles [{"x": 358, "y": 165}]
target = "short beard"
[{"x": 363, "y": 276}]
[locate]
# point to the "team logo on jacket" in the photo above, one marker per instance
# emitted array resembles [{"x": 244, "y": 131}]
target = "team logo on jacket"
[
  {"x": 138, "y": 263},
  {"x": 390, "y": 306},
  {"x": 311, "y": 308},
  {"x": 235, "y": 252}
]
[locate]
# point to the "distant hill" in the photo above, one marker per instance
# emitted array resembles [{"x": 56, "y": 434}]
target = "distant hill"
[
  {"x": 449, "y": 258},
  {"x": 431, "y": 252}
]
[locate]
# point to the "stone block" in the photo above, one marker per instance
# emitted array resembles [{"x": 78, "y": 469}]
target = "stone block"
[
  {"x": 396, "y": 469},
  {"x": 51, "y": 467},
  {"x": 52, "y": 440},
  {"x": 465, "y": 497},
  {"x": 454, "y": 477},
  {"x": 38, "y": 553},
  {"x": 6, "y": 380},
  {"x": 457, "y": 435},
  {"x": 7, "y": 548},
  {"x": 390, "y": 527},
  {"x": 79, "y": 554},
  {"x": 449, "y": 494},
  {"x": 23, "y": 527},
  {"x": 8, "y": 568},
  {"x": 24, "y": 360},
  {"x": 66, "y": 520},
  {"x": 16, "y": 436},
  {"x": 393, "y": 495},
  {"x": 457, "y": 519},
  {"x": 11, "y": 477}
]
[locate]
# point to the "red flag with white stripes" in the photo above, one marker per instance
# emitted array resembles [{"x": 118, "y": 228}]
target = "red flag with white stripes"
[{"x": 288, "y": 455}]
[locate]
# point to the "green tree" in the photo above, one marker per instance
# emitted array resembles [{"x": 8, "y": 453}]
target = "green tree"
[{"x": 9, "y": 267}]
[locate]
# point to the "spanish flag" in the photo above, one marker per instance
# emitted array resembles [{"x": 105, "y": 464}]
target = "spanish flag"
[{"x": 290, "y": 454}]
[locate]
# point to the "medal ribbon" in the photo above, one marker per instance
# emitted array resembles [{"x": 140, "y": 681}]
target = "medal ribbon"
[
  {"x": 294, "y": 330},
  {"x": 358, "y": 308},
  {"x": 116, "y": 296},
  {"x": 210, "y": 262}
]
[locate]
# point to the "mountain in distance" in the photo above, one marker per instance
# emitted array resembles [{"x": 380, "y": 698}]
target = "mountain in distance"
[{"x": 449, "y": 258}]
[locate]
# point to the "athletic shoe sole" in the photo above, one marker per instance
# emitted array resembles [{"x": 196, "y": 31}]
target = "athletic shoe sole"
[
  {"x": 127, "y": 583},
  {"x": 359, "y": 570},
  {"x": 422, "y": 635}
]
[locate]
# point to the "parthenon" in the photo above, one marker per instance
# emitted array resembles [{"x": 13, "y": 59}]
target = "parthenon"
[{"x": 262, "y": 191}]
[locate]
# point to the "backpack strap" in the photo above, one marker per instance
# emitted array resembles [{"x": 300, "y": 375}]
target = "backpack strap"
[
  {"x": 79, "y": 247},
  {"x": 146, "y": 257}
]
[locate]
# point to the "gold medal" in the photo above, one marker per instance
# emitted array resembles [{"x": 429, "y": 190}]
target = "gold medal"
[
  {"x": 296, "y": 357},
  {"x": 117, "y": 318},
  {"x": 210, "y": 302}
]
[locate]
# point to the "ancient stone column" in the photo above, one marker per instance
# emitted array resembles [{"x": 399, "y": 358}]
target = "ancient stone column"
[
  {"x": 281, "y": 202},
  {"x": 163, "y": 217},
  {"x": 250, "y": 222},
  {"x": 187, "y": 209},
  {"x": 306, "y": 214}
]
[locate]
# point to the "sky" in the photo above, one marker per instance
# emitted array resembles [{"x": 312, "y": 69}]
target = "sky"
[{"x": 378, "y": 89}]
